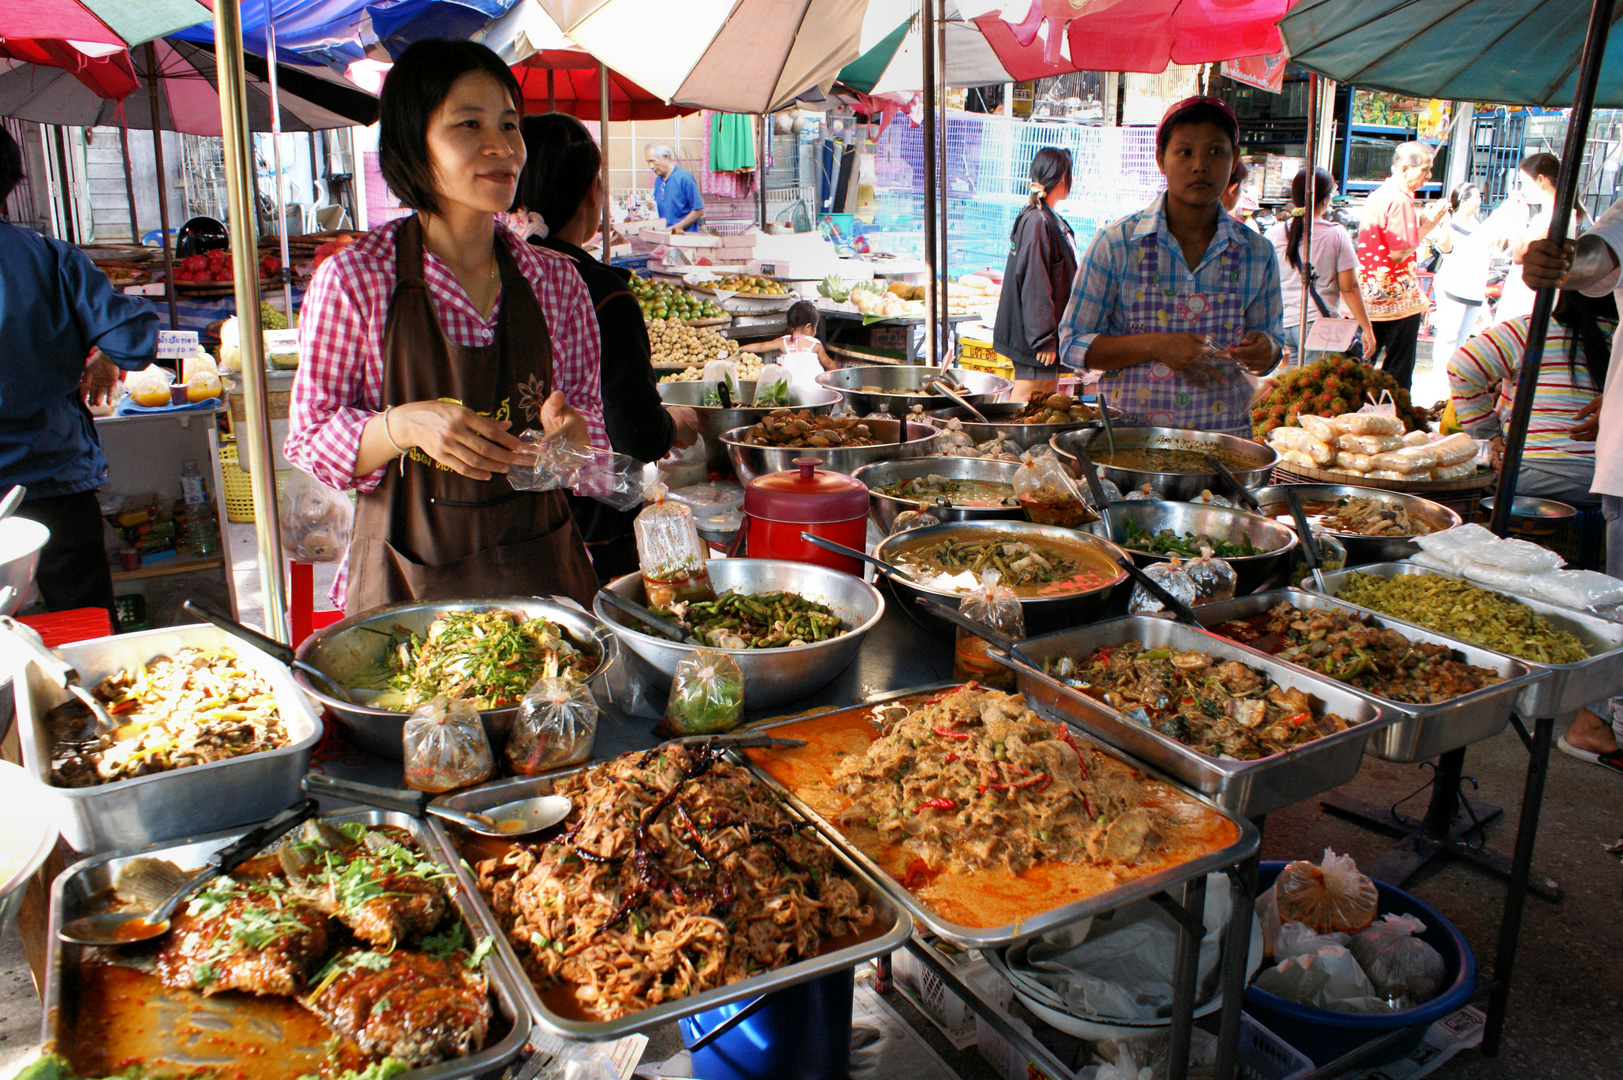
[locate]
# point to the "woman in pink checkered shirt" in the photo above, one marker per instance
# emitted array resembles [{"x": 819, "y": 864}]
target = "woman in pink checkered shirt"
[{"x": 431, "y": 341}]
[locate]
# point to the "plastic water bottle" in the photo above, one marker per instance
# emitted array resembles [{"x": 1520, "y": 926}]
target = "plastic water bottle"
[
  {"x": 200, "y": 536},
  {"x": 191, "y": 483}
]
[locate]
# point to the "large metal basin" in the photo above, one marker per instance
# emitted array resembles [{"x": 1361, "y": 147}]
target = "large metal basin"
[
  {"x": 886, "y": 507},
  {"x": 714, "y": 420},
  {"x": 20, "y": 543},
  {"x": 344, "y": 649},
  {"x": 902, "y": 387},
  {"x": 1043, "y": 614},
  {"x": 1024, "y": 436},
  {"x": 1362, "y": 549},
  {"x": 1251, "y": 571},
  {"x": 1257, "y": 460},
  {"x": 750, "y": 461},
  {"x": 30, "y": 835},
  {"x": 772, "y": 677}
]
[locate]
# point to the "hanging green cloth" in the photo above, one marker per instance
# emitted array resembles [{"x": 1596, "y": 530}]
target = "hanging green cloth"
[{"x": 732, "y": 142}]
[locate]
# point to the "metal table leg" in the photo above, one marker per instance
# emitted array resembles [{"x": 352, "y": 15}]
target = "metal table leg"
[
  {"x": 1185, "y": 970},
  {"x": 1236, "y": 951}
]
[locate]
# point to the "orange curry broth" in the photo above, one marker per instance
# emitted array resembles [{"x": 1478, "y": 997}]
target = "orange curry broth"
[{"x": 982, "y": 898}]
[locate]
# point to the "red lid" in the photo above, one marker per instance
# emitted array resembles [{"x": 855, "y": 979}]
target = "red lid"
[{"x": 806, "y": 494}]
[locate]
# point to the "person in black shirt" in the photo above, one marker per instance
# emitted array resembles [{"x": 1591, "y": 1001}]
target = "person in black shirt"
[{"x": 1037, "y": 279}]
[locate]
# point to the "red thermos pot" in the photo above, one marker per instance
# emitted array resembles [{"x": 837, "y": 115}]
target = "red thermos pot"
[{"x": 779, "y": 506}]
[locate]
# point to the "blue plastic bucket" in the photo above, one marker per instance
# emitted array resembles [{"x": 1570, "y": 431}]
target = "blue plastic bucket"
[
  {"x": 803, "y": 1033},
  {"x": 1324, "y": 1034}
]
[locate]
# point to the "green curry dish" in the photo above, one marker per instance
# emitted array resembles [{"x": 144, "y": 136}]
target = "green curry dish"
[
  {"x": 773, "y": 620},
  {"x": 1166, "y": 542},
  {"x": 488, "y": 658}
]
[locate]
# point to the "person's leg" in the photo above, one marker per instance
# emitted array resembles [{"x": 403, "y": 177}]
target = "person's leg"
[
  {"x": 73, "y": 571},
  {"x": 1446, "y": 328},
  {"x": 1400, "y": 339},
  {"x": 1292, "y": 342},
  {"x": 1597, "y": 731}
]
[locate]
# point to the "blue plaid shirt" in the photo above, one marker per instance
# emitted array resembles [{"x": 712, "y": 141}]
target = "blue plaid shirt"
[{"x": 1098, "y": 303}]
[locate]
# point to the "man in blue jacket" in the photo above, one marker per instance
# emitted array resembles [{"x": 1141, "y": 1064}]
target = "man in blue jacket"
[
  {"x": 63, "y": 327},
  {"x": 676, "y": 193}
]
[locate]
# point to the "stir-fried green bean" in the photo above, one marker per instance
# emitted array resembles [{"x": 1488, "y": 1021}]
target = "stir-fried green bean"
[{"x": 772, "y": 620}]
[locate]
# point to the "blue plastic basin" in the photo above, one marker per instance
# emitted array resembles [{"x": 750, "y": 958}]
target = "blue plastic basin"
[
  {"x": 1324, "y": 1034},
  {"x": 803, "y": 1033}
]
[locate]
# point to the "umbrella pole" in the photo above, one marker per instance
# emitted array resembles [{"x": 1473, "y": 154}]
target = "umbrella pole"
[
  {"x": 927, "y": 41},
  {"x": 605, "y": 109},
  {"x": 762, "y": 141},
  {"x": 129, "y": 174},
  {"x": 1311, "y": 194},
  {"x": 286, "y": 273},
  {"x": 245, "y": 267},
  {"x": 552, "y": 97},
  {"x": 941, "y": 297},
  {"x": 163, "y": 195}
]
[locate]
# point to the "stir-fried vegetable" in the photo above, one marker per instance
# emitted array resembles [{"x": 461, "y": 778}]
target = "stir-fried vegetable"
[
  {"x": 1167, "y": 542},
  {"x": 773, "y": 620},
  {"x": 487, "y": 658},
  {"x": 958, "y": 492},
  {"x": 1019, "y": 562},
  {"x": 1465, "y": 611}
]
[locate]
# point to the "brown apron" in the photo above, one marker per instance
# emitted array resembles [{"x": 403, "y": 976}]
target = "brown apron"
[{"x": 427, "y": 532}]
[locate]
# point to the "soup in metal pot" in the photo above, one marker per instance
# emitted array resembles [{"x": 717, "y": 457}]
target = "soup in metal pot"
[
  {"x": 1030, "y": 566},
  {"x": 1166, "y": 459}
]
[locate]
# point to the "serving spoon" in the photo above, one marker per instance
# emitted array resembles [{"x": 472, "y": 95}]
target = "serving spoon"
[
  {"x": 673, "y": 630},
  {"x": 13, "y": 499},
  {"x": 508, "y": 820},
  {"x": 941, "y": 386}
]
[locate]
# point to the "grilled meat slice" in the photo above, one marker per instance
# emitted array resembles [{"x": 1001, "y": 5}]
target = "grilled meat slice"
[
  {"x": 243, "y": 935},
  {"x": 384, "y": 892},
  {"x": 408, "y": 1005}
]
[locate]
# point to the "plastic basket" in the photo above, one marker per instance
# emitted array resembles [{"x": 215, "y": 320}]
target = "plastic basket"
[
  {"x": 1262, "y": 1055},
  {"x": 239, "y": 492},
  {"x": 66, "y": 627}
]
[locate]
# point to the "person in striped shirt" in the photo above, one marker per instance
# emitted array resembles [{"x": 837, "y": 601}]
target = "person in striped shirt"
[{"x": 1559, "y": 459}]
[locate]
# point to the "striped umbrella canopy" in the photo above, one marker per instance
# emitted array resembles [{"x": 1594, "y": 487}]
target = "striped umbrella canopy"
[{"x": 101, "y": 22}]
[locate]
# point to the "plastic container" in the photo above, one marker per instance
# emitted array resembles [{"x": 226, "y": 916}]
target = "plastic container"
[
  {"x": 779, "y": 506},
  {"x": 802, "y": 1033},
  {"x": 1324, "y": 1034}
]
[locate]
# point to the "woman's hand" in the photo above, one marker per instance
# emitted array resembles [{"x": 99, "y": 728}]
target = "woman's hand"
[
  {"x": 558, "y": 417},
  {"x": 100, "y": 380},
  {"x": 687, "y": 425},
  {"x": 1047, "y": 357},
  {"x": 1588, "y": 421},
  {"x": 1496, "y": 451},
  {"x": 1177, "y": 351},
  {"x": 455, "y": 436},
  {"x": 1256, "y": 352}
]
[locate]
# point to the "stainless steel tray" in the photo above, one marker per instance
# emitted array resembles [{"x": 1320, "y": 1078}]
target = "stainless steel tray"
[
  {"x": 1425, "y": 730},
  {"x": 1248, "y": 788},
  {"x": 84, "y": 879},
  {"x": 976, "y": 937},
  {"x": 894, "y": 929},
  {"x": 165, "y": 806},
  {"x": 1566, "y": 687}
]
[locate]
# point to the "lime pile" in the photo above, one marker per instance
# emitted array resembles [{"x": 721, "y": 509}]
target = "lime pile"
[{"x": 661, "y": 301}]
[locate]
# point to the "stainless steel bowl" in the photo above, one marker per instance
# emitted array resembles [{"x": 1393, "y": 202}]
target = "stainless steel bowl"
[
  {"x": 1251, "y": 571},
  {"x": 886, "y": 507},
  {"x": 750, "y": 461},
  {"x": 714, "y": 420},
  {"x": 1362, "y": 549},
  {"x": 1532, "y": 516},
  {"x": 31, "y": 828},
  {"x": 772, "y": 677},
  {"x": 1043, "y": 614},
  {"x": 1257, "y": 460},
  {"x": 1024, "y": 436},
  {"x": 902, "y": 387},
  {"x": 346, "y": 648}
]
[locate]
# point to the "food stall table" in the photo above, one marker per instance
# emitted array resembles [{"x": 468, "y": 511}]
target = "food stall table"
[{"x": 847, "y": 327}]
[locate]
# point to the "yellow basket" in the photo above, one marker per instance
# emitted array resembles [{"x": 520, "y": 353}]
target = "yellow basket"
[{"x": 239, "y": 492}]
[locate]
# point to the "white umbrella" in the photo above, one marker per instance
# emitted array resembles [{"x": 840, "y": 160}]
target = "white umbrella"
[{"x": 740, "y": 56}]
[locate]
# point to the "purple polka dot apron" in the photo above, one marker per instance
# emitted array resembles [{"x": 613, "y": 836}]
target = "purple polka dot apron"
[{"x": 1158, "y": 303}]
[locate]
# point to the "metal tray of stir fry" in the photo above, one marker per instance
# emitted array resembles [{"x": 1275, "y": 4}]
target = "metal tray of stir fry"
[
  {"x": 892, "y": 926},
  {"x": 1425, "y": 730},
  {"x": 178, "y": 1028},
  {"x": 1566, "y": 688},
  {"x": 1246, "y": 842},
  {"x": 1248, "y": 788}
]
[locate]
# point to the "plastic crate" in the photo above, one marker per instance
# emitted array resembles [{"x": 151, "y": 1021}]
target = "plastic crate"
[
  {"x": 239, "y": 492},
  {"x": 66, "y": 627},
  {"x": 1265, "y": 1056}
]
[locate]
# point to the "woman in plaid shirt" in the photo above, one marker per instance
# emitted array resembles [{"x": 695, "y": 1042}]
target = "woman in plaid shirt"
[{"x": 429, "y": 343}]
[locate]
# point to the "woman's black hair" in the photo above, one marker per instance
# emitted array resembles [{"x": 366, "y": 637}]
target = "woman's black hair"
[
  {"x": 1049, "y": 167},
  {"x": 1460, "y": 194},
  {"x": 416, "y": 86},
  {"x": 561, "y": 167},
  {"x": 1324, "y": 186},
  {"x": 801, "y": 313},
  {"x": 1541, "y": 164},
  {"x": 1200, "y": 112},
  {"x": 1579, "y": 314},
  {"x": 11, "y": 164}
]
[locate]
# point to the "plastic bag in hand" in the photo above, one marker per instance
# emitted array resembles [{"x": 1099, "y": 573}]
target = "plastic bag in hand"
[
  {"x": 1404, "y": 969},
  {"x": 1170, "y": 576},
  {"x": 1329, "y": 979},
  {"x": 556, "y": 726},
  {"x": 445, "y": 746},
  {"x": 707, "y": 696},
  {"x": 546, "y": 462},
  {"x": 316, "y": 520},
  {"x": 1330, "y": 896},
  {"x": 1214, "y": 578},
  {"x": 994, "y": 606},
  {"x": 1048, "y": 495},
  {"x": 615, "y": 480}
]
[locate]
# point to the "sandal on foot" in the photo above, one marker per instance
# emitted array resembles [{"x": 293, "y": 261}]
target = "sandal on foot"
[{"x": 1612, "y": 762}]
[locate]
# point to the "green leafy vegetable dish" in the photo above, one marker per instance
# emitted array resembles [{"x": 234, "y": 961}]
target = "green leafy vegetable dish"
[
  {"x": 773, "y": 620},
  {"x": 1166, "y": 542}
]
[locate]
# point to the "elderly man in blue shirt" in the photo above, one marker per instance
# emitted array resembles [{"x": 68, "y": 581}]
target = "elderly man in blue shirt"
[
  {"x": 676, "y": 193},
  {"x": 63, "y": 328}
]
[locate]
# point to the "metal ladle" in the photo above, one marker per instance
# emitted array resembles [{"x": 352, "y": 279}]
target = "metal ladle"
[
  {"x": 940, "y": 386},
  {"x": 13, "y": 499},
  {"x": 673, "y": 630},
  {"x": 507, "y": 821}
]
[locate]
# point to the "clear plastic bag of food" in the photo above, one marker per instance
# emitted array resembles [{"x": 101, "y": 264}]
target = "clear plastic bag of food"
[
  {"x": 881, "y": 411},
  {"x": 1404, "y": 969},
  {"x": 1390, "y": 474},
  {"x": 1048, "y": 495},
  {"x": 1457, "y": 448},
  {"x": 1170, "y": 576},
  {"x": 913, "y": 519},
  {"x": 707, "y": 696},
  {"x": 1369, "y": 423},
  {"x": 1319, "y": 427},
  {"x": 1329, "y": 895},
  {"x": 1328, "y": 978},
  {"x": 1411, "y": 459},
  {"x": 1459, "y": 471},
  {"x": 956, "y": 435},
  {"x": 673, "y": 559},
  {"x": 444, "y": 746},
  {"x": 1296, "y": 939},
  {"x": 996, "y": 607},
  {"x": 772, "y": 387},
  {"x": 1302, "y": 441},
  {"x": 150, "y": 386},
  {"x": 316, "y": 520},
  {"x": 556, "y": 726},
  {"x": 720, "y": 379},
  {"x": 1580, "y": 590},
  {"x": 1112, "y": 493},
  {"x": 1214, "y": 578},
  {"x": 1416, "y": 438},
  {"x": 1145, "y": 493},
  {"x": 1354, "y": 461},
  {"x": 1206, "y": 498},
  {"x": 1370, "y": 444}
]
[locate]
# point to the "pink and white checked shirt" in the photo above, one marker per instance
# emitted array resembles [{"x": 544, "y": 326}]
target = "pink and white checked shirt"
[{"x": 339, "y": 385}]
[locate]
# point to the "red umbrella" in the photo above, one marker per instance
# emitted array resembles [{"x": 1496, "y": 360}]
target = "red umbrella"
[
  {"x": 101, "y": 22},
  {"x": 565, "y": 80},
  {"x": 110, "y": 75}
]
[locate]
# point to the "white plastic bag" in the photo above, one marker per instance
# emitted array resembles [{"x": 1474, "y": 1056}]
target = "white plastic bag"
[
  {"x": 1459, "y": 471},
  {"x": 1581, "y": 590},
  {"x": 1295, "y": 939},
  {"x": 1354, "y": 461},
  {"x": 1448, "y": 543},
  {"x": 1369, "y": 444},
  {"x": 1404, "y": 970},
  {"x": 1299, "y": 439},
  {"x": 1410, "y": 459},
  {"x": 1328, "y": 978},
  {"x": 1300, "y": 460},
  {"x": 1455, "y": 449},
  {"x": 1369, "y": 423},
  {"x": 1517, "y": 556},
  {"x": 1499, "y": 579},
  {"x": 1432, "y": 562},
  {"x": 1319, "y": 427},
  {"x": 1416, "y": 438}
]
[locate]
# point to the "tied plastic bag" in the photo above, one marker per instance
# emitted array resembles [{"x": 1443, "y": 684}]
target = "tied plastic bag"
[
  {"x": 316, "y": 520},
  {"x": 720, "y": 379},
  {"x": 1146, "y": 493},
  {"x": 1454, "y": 450},
  {"x": 1170, "y": 576},
  {"x": 675, "y": 562},
  {"x": 1329, "y": 979},
  {"x": 1581, "y": 590},
  {"x": 1048, "y": 495},
  {"x": 1332, "y": 895},
  {"x": 995, "y": 606},
  {"x": 956, "y": 435},
  {"x": 772, "y": 387},
  {"x": 913, "y": 519},
  {"x": 1214, "y": 578},
  {"x": 556, "y": 726},
  {"x": 1297, "y": 940},
  {"x": 1461, "y": 471},
  {"x": 1206, "y": 498},
  {"x": 707, "y": 696},
  {"x": 1319, "y": 427},
  {"x": 150, "y": 386},
  {"x": 685, "y": 466},
  {"x": 445, "y": 746},
  {"x": 1371, "y": 444},
  {"x": 1405, "y": 970}
]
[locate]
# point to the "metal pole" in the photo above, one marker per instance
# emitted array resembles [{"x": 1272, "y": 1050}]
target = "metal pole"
[
  {"x": 163, "y": 195},
  {"x": 927, "y": 41},
  {"x": 605, "y": 108},
  {"x": 286, "y": 273},
  {"x": 763, "y": 142},
  {"x": 1566, "y": 194},
  {"x": 1310, "y": 192},
  {"x": 238, "y": 155},
  {"x": 129, "y": 174},
  {"x": 945, "y": 323}
]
